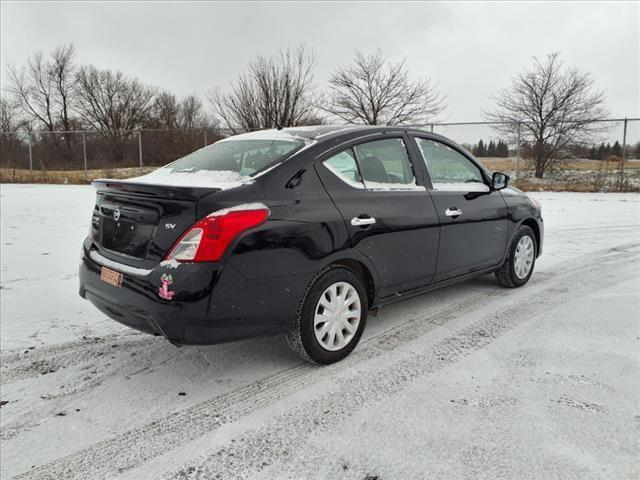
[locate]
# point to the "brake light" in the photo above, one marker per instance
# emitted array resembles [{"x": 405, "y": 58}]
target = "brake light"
[{"x": 208, "y": 238}]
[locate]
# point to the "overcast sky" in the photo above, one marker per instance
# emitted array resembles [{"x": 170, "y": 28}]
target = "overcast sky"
[{"x": 470, "y": 48}]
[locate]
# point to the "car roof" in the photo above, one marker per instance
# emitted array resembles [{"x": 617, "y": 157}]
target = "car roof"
[{"x": 326, "y": 132}]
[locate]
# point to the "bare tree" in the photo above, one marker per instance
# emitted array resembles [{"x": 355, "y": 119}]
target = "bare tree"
[
  {"x": 273, "y": 93},
  {"x": 167, "y": 112},
  {"x": 112, "y": 104},
  {"x": 43, "y": 90},
  {"x": 9, "y": 120},
  {"x": 32, "y": 88},
  {"x": 163, "y": 113},
  {"x": 182, "y": 125},
  {"x": 375, "y": 91},
  {"x": 190, "y": 113},
  {"x": 555, "y": 108},
  {"x": 63, "y": 72},
  {"x": 11, "y": 145}
]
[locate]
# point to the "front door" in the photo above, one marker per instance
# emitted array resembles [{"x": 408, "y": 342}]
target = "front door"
[
  {"x": 390, "y": 217},
  {"x": 473, "y": 217}
]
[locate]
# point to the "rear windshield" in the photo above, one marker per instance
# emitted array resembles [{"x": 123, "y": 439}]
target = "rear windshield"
[{"x": 244, "y": 157}]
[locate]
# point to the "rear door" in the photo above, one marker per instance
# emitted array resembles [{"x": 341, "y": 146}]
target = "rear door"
[
  {"x": 390, "y": 216},
  {"x": 472, "y": 216}
]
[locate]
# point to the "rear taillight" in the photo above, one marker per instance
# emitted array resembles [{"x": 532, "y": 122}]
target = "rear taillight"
[{"x": 208, "y": 239}]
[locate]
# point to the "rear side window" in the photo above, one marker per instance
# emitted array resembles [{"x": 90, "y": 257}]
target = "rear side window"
[
  {"x": 344, "y": 166},
  {"x": 378, "y": 165},
  {"x": 448, "y": 168},
  {"x": 384, "y": 162}
]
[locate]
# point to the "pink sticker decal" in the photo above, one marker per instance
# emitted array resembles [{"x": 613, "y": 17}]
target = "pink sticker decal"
[{"x": 164, "y": 291}]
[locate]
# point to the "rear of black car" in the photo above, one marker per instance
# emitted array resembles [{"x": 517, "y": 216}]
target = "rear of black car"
[
  {"x": 156, "y": 255},
  {"x": 122, "y": 257}
]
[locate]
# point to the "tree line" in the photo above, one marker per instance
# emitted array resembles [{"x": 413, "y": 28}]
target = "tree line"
[
  {"x": 548, "y": 106},
  {"x": 603, "y": 152},
  {"x": 492, "y": 149},
  {"x": 51, "y": 93},
  {"x": 595, "y": 152}
]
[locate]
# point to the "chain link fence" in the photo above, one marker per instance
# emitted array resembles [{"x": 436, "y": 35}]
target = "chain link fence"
[
  {"x": 81, "y": 156},
  {"x": 85, "y": 155}
]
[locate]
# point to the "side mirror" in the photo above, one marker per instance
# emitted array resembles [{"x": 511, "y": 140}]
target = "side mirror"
[{"x": 499, "y": 181}]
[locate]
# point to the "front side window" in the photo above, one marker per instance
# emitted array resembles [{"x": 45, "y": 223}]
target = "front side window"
[{"x": 448, "y": 168}]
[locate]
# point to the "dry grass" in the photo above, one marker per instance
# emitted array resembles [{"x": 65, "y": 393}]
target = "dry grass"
[
  {"x": 509, "y": 164},
  {"x": 528, "y": 185}
]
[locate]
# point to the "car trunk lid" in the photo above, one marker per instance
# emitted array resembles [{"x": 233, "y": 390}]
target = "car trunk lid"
[{"x": 136, "y": 224}]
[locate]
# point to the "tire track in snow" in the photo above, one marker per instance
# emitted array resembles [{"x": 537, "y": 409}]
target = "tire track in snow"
[
  {"x": 107, "y": 458},
  {"x": 608, "y": 227},
  {"x": 41, "y": 361},
  {"x": 94, "y": 375},
  {"x": 279, "y": 439},
  {"x": 129, "y": 449}
]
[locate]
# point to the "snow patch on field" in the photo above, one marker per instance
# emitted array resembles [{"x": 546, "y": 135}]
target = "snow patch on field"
[{"x": 42, "y": 230}]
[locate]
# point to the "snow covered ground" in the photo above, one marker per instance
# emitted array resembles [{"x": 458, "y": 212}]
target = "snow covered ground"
[{"x": 472, "y": 381}]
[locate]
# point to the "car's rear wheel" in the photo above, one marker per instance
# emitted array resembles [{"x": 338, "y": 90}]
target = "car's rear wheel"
[
  {"x": 521, "y": 258},
  {"x": 331, "y": 317}
]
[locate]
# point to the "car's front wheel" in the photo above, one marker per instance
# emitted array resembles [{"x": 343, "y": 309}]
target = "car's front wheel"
[
  {"x": 331, "y": 317},
  {"x": 521, "y": 258}
]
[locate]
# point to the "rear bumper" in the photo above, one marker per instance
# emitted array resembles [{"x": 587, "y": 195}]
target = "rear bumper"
[{"x": 210, "y": 303}]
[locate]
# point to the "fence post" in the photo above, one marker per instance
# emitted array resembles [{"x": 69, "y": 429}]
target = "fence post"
[
  {"x": 84, "y": 154},
  {"x": 624, "y": 153},
  {"x": 432, "y": 128},
  {"x": 30, "y": 156},
  {"x": 518, "y": 153},
  {"x": 205, "y": 136},
  {"x": 140, "y": 149}
]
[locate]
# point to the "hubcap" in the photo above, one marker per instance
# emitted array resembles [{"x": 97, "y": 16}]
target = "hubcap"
[
  {"x": 337, "y": 316},
  {"x": 523, "y": 258}
]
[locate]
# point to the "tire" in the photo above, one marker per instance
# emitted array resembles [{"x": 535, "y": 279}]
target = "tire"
[
  {"x": 336, "y": 286},
  {"x": 510, "y": 274}
]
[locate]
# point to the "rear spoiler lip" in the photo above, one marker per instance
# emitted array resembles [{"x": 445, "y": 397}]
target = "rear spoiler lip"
[{"x": 115, "y": 186}]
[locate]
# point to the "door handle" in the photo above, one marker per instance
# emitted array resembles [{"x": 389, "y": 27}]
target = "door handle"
[
  {"x": 453, "y": 212},
  {"x": 360, "y": 222}
]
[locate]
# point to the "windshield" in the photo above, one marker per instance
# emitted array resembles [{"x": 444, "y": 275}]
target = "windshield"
[{"x": 244, "y": 157}]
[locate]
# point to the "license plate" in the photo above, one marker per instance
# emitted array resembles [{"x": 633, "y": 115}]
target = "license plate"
[{"x": 111, "y": 277}]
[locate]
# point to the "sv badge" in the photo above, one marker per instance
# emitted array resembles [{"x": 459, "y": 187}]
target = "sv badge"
[{"x": 169, "y": 226}]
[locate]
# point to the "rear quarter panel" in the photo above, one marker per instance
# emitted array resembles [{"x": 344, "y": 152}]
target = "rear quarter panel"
[{"x": 304, "y": 233}]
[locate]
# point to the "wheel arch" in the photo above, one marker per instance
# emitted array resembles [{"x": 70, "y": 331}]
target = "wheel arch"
[
  {"x": 533, "y": 225},
  {"x": 363, "y": 272}
]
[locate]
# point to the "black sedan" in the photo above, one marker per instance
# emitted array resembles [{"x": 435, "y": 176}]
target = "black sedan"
[{"x": 301, "y": 231}]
